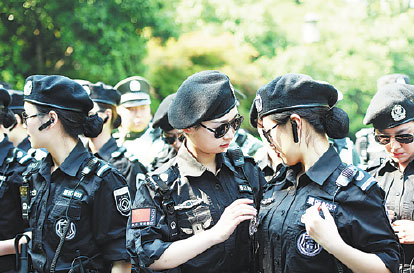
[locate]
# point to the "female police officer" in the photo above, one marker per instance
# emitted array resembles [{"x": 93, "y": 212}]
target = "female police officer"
[
  {"x": 318, "y": 214},
  {"x": 393, "y": 121},
  {"x": 13, "y": 162},
  {"x": 79, "y": 205},
  {"x": 104, "y": 146},
  {"x": 190, "y": 215}
]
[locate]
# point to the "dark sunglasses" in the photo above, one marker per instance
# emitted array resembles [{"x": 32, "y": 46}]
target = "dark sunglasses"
[
  {"x": 266, "y": 133},
  {"x": 172, "y": 139},
  {"x": 225, "y": 127},
  {"x": 26, "y": 117},
  {"x": 403, "y": 138}
]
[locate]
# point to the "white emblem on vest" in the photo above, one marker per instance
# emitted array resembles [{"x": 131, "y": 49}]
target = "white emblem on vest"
[
  {"x": 60, "y": 226},
  {"x": 307, "y": 246}
]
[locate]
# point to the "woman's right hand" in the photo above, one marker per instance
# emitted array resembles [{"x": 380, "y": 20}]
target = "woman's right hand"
[{"x": 239, "y": 211}]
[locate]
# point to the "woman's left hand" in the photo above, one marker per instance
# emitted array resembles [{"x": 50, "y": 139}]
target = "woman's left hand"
[{"x": 323, "y": 231}]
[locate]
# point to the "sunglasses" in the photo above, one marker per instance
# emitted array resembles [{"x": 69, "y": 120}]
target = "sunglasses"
[
  {"x": 172, "y": 139},
  {"x": 403, "y": 138},
  {"x": 220, "y": 131},
  {"x": 26, "y": 117},
  {"x": 266, "y": 133}
]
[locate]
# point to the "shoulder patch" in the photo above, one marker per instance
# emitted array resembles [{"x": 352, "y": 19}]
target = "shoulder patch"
[
  {"x": 123, "y": 201},
  {"x": 142, "y": 217}
]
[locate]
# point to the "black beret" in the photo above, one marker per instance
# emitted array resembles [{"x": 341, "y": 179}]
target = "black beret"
[
  {"x": 16, "y": 100},
  {"x": 58, "y": 92},
  {"x": 393, "y": 78},
  {"x": 392, "y": 105},
  {"x": 102, "y": 93},
  {"x": 133, "y": 84},
  {"x": 161, "y": 115},
  {"x": 4, "y": 98},
  {"x": 291, "y": 91},
  {"x": 205, "y": 95}
]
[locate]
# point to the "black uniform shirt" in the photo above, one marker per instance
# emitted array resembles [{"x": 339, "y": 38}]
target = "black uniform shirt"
[
  {"x": 357, "y": 208},
  {"x": 11, "y": 221},
  {"x": 98, "y": 213},
  {"x": 200, "y": 198},
  {"x": 399, "y": 193},
  {"x": 116, "y": 156}
]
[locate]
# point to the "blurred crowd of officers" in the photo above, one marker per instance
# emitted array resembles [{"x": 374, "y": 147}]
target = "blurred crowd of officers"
[{"x": 91, "y": 181}]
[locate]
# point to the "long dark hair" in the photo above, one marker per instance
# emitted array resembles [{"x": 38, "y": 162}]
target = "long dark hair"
[{"x": 75, "y": 123}]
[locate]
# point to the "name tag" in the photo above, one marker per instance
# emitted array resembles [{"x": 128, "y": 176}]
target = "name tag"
[
  {"x": 314, "y": 201},
  {"x": 76, "y": 195}
]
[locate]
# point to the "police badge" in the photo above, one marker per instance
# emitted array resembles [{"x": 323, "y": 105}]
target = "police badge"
[
  {"x": 398, "y": 113},
  {"x": 123, "y": 201}
]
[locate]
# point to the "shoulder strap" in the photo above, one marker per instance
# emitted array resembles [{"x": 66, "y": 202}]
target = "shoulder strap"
[
  {"x": 161, "y": 181},
  {"x": 24, "y": 189}
]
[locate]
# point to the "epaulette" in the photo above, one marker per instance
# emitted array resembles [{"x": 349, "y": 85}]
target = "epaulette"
[
  {"x": 364, "y": 181},
  {"x": 103, "y": 168},
  {"x": 119, "y": 152}
]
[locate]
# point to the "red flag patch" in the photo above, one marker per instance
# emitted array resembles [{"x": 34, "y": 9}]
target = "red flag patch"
[{"x": 143, "y": 217}]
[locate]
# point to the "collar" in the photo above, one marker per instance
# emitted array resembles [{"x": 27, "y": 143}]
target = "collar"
[
  {"x": 107, "y": 149},
  {"x": 72, "y": 163},
  {"x": 5, "y": 147},
  {"x": 188, "y": 164},
  {"x": 324, "y": 167},
  {"x": 25, "y": 145}
]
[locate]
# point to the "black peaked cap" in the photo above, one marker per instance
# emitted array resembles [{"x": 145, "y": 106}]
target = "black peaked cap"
[
  {"x": 203, "y": 96},
  {"x": 291, "y": 91}
]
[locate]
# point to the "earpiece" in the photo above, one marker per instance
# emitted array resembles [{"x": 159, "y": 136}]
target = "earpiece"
[
  {"x": 295, "y": 131},
  {"x": 46, "y": 124}
]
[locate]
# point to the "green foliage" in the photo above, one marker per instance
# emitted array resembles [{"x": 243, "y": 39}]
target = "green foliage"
[
  {"x": 86, "y": 39},
  {"x": 251, "y": 41}
]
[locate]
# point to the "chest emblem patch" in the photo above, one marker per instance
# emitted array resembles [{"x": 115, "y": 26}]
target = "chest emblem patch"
[
  {"x": 60, "y": 227},
  {"x": 307, "y": 246}
]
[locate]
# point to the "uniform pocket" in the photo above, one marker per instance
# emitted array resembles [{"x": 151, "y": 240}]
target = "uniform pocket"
[{"x": 193, "y": 216}]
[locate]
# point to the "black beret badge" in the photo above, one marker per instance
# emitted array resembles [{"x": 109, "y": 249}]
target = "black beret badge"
[
  {"x": 28, "y": 87},
  {"x": 398, "y": 112}
]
